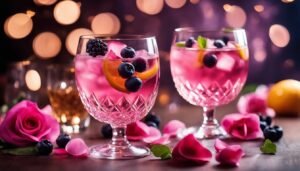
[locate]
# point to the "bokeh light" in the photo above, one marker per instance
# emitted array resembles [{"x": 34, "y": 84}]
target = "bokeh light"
[
  {"x": 129, "y": 18},
  {"x": 194, "y": 1},
  {"x": 46, "y": 45},
  {"x": 279, "y": 35},
  {"x": 66, "y": 12},
  {"x": 150, "y": 7},
  {"x": 288, "y": 63},
  {"x": 287, "y": 1},
  {"x": 175, "y": 3},
  {"x": 106, "y": 23},
  {"x": 18, "y": 26},
  {"x": 227, "y": 7},
  {"x": 164, "y": 97},
  {"x": 235, "y": 16},
  {"x": 73, "y": 38},
  {"x": 259, "y": 8},
  {"x": 33, "y": 80},
  {"x": 44, "y": 2}
]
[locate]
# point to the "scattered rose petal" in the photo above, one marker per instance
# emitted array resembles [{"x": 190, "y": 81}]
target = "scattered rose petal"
[
  {"x": 189, "y": 149},
  {"x": 59, "y": 151},
  {"x": 77, "y": 147},
  {"x": 244, "y": 127},
  {"x": 228, "y": 154},
  {"x": 137, "y": 131},
  {"x": 153, "y": 135},
  {"x": 172, "y": 127}
]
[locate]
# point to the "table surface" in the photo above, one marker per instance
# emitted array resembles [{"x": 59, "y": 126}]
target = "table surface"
[{"x": 287, "y": 157}]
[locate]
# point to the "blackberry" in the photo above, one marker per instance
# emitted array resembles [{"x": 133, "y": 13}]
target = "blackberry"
[{"x": 96, "y": 47}]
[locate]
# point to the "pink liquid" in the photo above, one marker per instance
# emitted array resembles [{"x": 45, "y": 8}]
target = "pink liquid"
[
  {"x": 103, "y": 101},
  {"x": 204, "y": 86}
]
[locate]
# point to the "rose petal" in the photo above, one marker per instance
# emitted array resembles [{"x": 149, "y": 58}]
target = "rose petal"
[
  {"x": 137, "y": 131},
  {"x": 172, "y": 127},
  {"x": 47, "y": 110},
  {"x": 153, "y": 135},
  {"x": 231, "y": 155},
  {"x": 262, "y": 90},
  {"x": 190, "y": 149},
  {"x": 165, "y": 139},
  {"x": 59, "y": 151},
  {"x": 220, "y": 145},
  {"x": 77, "y": 147}
]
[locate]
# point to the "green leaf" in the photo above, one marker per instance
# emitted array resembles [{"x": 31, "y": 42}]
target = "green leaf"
[
  {"x": 268, "y": 147},
  {"x": 161, "y": 151},
  {"x": 21, "y": 151},
  {"x": 180, "y": 44},
  {"x": 201, "y": 42}
]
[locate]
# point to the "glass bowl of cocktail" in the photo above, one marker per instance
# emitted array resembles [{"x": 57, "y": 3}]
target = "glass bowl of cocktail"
[
  {"x": 209, "y": 69},
  {"x": 117, "y": 78}
]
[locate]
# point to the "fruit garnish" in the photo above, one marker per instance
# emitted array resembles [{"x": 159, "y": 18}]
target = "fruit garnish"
[
  {"x": 44, "y": 147},
  {"x": 273, "y": 133},
  {"x": 200, "y": 58},
  {"x": 133, "y": 84},
  {"x": 148, "y": 73},
  {"x": 162, "y": 151},
  {"x": 268, "y": 147},
  {"x": 202, "y": 42},
  {"x": 151, "y": 117},
  {"x": 225, "y": 39},
  {"x": 140, "y": 64},
  {"x": 126, "y": 70},
  {"x": 106, "y": 131},
  {"x": 62, "y": 140},
  {"x": 210, "y": 60},
  {"x": 190, "y": 42},
  {"x": 96, "y": 47},
  {"x": 180, "y": 44},
  {"x": 128, "y": 52},
  {"x": 219, "y": 43},
  {"x": 243, "y": 52},
  {"x": 110, "y": 70}
]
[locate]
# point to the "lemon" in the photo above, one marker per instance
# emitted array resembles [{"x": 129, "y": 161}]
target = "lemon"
[{"x": 284, "y": 97}]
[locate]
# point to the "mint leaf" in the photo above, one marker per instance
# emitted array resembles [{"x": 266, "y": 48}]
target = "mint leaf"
[
  {"x": 21, "y": 151},
  {"x": 161, "y": 151},
  {"x": 180, "y": 44},
  {"x": 201, "y": 42},
  {"x": 268, "y": 147}
]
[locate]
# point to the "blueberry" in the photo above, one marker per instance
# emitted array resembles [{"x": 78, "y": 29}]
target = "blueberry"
[
  {"x": 133, "y": 84},
  {"x": 263, "y": 125},
  {"x": 267, "y": 119},
  {"x": 126, "y": 70},
  {"x": 189, "y": 42},
  {"x": 151, "y": 124},
  {"x": 271, "y": 134},
  {"x": 279, "y": 130},
  {"x": 219, "y": 43},
  {"x": 62, "y": 140},
  {"x": 44, "y": 147},
  {"x": 225, "y": 39},
  {"x": 151, "y": 117},
  {"x": 106, "y": 131},
  {"x": 210, "y": 60},
  {"x": 96, "y": 47},
  {"x": 128, "y": 52},
  {"x": 139, "y": 64}
]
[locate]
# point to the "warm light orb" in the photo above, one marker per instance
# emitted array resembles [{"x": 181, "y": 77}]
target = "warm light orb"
[
  {"x": 106, "y": 23},
  {"x": 288, "y": 63},
  {"x": 44, "y": 2},
  {"x": 259, "y": 8},
  {"x": 66, "y": 12},
  {"x": 164, "y": 98},
  {"x": 46, "y": 45},
  {"x": 33, "y": 80},
  {"x": 279, "y": 35},
  {"x": 236, "y": 16},
  {"x": 260, "y": 55},
  {"x": 175, "y": 3},
  {"x": 129, "y": 18},
  {"x": 227, "y": 7},
  {"x": 287, "y": 1},
  {"x": 18, "y": 26},
  {"x": 73, "y": 38},
  {"x": 194, "y": 1},
  {"x": 150, "y": 7}
]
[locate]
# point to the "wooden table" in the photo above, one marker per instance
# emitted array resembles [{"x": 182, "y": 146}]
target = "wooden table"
[{"x": 287, "y": 157}]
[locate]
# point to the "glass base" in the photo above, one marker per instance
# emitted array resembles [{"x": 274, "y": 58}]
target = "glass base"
[
  {"x": 204, "y": 132},
  {"x": 120, "y": 153}
]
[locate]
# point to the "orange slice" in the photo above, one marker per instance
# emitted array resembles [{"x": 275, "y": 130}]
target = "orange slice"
[
  {"x": 243, "y": 52},
  {"x": 110, "y": 70},
  {"x": 148, "y": 73},
  {"x": 200, "y": 58}
]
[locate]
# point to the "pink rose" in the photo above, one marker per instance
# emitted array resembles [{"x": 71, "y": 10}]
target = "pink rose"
[
  {"x": 25, "y": 124},
  {"x": 228, "y": 154},
  {"x": 189, "y": 149},
  {"x": 244, "y": 127}
]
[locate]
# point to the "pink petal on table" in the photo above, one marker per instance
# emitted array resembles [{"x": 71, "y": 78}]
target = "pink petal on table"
[
  {"x": 172, "y": 127},
  {"x": 59, "y": 151},
  {"x": 77, "y": 147},
  {"x": 137, "y": 131},
  {"x": 190, "y": 149},
  {"x": 219, "y": 145},
  {"x": 262, "y": 90},
  {"x": 165, "y": 139},
  {"x": 230, "y": 155},
  {"x": 153, "y": 135},
  {"x": 252, "y": 103},
  {"x": 229, "y": 120},
  {"x": 116, "y": 47}
]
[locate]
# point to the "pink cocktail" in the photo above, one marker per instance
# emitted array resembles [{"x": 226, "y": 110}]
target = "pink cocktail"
[
  {"x": 209, "y": 69},
  {"x": 117, "y": 79}
]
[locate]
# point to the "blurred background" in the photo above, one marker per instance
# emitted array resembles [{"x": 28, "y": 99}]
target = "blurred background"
[{"x": 42, "y": 32}]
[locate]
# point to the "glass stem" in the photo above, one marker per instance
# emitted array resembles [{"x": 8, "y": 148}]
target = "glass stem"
[
  {"x": 119, "y": 139},
  {"x": 209, "y": 117}
]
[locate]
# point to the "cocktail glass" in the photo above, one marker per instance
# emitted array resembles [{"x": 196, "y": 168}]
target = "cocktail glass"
[
  {"x": 209, "y": 69},
  {"x": 117, "y": 78}
]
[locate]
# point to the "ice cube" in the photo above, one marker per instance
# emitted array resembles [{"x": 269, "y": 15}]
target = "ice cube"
[
  {"x": 141, "y": 53},
  {"x": 116, "y": 47},
  {"x": 80, "y": 64},
  {"x": 94, "y": 65},
  {"x": 111, "y": 55},
  {"x": 225, "y": 62}
]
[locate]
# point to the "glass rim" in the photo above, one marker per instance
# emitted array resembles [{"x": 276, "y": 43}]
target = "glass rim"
[
  {"x": 199, "y": 30},
  {"x": 118, "y": 36}
]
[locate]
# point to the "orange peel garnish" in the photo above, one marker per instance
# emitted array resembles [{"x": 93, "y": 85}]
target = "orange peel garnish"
[
  {"x": 148, "y": 73},
  {"x": 243, "y": 52}
]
